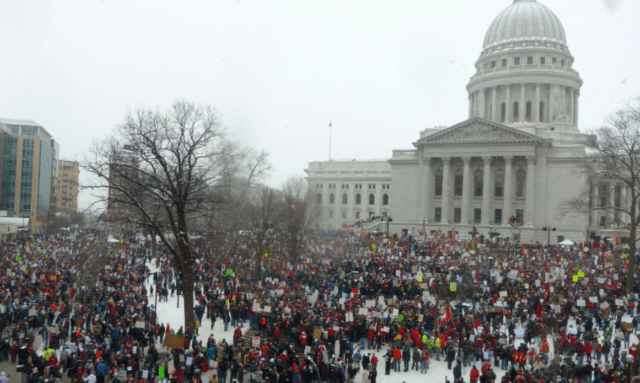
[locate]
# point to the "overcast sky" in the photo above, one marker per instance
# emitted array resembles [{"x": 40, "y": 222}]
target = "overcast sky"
[{"x": 279, "y": 71}]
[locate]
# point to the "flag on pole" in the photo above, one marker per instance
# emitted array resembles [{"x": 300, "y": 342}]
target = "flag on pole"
[{"x": 330, "y": 122}]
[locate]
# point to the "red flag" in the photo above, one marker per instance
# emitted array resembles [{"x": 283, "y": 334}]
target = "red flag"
[{"x": 448, "y": 314}]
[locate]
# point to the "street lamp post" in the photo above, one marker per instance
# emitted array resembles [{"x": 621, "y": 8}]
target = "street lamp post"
[{"x": 548, "y": 229}]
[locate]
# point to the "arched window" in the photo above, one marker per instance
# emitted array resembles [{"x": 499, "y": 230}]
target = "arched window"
[
  {"x": 521, "y": 183},
  {"x": 319, "y": 198},
  {"x": 358, "y": 199},
  {"x": 438, "y": 182},
  {"x": 499, "y": 184},
  {"x": 516, "y": 109},
  {"x": 385, "y": 199},
  {"x": 541, "y": 111},
  {"x": 345, "y": 199},
  {"x": 478, "y": 182},
  {"x": 503, "y": 112},
  {"x": 332, "y": 198},
  {"x": 528, "y": 111},
  {"x": 372, "y": 199},
  {"x": 457, "y": 183}
]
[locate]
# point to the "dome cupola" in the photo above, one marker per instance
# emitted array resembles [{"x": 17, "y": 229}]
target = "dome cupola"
[{"x": 524, "y": 75}]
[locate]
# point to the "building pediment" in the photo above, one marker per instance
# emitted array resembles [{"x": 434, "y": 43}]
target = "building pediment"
[{"x": 479, "y": 131}]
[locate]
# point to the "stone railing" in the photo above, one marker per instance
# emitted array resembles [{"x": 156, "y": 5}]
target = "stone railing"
[{"x": 405, "y": 154}]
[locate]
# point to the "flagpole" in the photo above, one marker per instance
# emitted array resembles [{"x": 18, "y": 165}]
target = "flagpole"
[{"x": 330, "y": 131}]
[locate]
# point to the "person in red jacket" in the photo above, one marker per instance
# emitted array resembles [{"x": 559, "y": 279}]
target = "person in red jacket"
[
  {"x": 237, "y": 334},
  {"x": 371, "y": 336},
  {"x": 397, "y": 357},
  {"x": 474, "y": 374}
]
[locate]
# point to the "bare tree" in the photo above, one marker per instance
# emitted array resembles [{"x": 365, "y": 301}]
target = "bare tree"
[
  {"x": 299, "y": 212},
  {"x": 177, "y": 158},
  {"x": 613, "y": 170},
  {"x": 264, "y": 212}
]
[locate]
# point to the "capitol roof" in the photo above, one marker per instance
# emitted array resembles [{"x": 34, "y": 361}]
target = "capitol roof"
[{"x": 525, "y": 20}]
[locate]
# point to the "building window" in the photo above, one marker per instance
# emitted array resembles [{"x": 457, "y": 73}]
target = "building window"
[
  {"x": 438, "y": 214},
  {"x": 516, "y": 109},
  {"x": 457, "y": 183},
  {"x": 520, "y": 215},
  {"x": 554, "y": 60},
  {"x": 478, "y": 182},
  {"x": 562, "y": 62},
  {"x": 358, "y": 186},
  {"x": 528, "y": 115},
  {"x": 541, "y": 111},
  {"x": 438, "y": 183},
  {"x": 497, "y": 218},
  {"x": 498, "y": 190},
  {"x": 493, "y": 64},
  {"x": 357, "y": 215},
  {"x": 372, "y": 199},
  {"x": 503, "y": 109},
  {"x": 345, "y": 186},
  {"x": 386, "y": 186},
  {"x": 385, "y": 199},
  {"x": 530, "y": 60},
  {"x": 504, "y": 63},
  {"x": 344, "y": 214},
  {"x": 543, "y": 60},
  {"x": 345, "y": 199},
  {"x": 332, "y": 186},
  {"x": 330, "y": 213},
  {"x": 477, "y": 215},
  {"x": 372, "y": 186},
  {"x": 319, "y": 198},
  {"x": 516, "y": 61},
  {"x": 358, "y": 199},
  {"x": 603, "y": 220},
  {"x": 521, "y": 183},
  {"x": 332, "y": 198},
  {"x": 457, "y": 214}
]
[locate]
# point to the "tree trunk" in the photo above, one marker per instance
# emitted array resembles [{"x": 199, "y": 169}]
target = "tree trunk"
[{"x": 186, "y": 261}]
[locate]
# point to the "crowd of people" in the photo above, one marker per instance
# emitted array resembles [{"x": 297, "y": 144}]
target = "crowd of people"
[{"x": 347, "y": 306}]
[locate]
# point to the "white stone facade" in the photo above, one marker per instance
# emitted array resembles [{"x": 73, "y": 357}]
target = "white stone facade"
[{"x": 518, "y": 153}]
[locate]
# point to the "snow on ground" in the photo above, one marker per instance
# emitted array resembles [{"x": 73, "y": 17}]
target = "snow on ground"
[{"x": 168, "y": 312}]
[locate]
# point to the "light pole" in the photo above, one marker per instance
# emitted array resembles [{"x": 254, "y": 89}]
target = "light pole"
[{"x": 548, "y": 229}]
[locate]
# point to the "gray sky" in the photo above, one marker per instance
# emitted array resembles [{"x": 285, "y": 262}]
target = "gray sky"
[{"x": 279, "y": 71}]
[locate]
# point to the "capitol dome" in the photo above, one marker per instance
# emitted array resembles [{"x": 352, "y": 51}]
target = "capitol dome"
[{"x": 525, "y": 20}]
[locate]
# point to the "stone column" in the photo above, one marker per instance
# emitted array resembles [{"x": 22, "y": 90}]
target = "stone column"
[
  {"x": 426, "y": 195},
  {"x": 470, "y": 105},
  {"x": 595, "y": 205},
  {"x": 575, "y": 108},
  {"x": 494, "y": 106},
  {"x": 486, "y": 191},
  {"x": 572, "y": 104},
  {"x": 508, "y": 118},
  {"x": 624, "y": 205},
  {"x": 522, "y": 112},
  {"x": 530, "y": 195},
  {"x": 563, "y": 100},
  {"x": 446, "y": 189},
  {"x": 466, "y": 190},
  {"x": 508, "y": 190},
  {"x": 536, "y": 107},
  {"x": 483, "y": 103},
  {"x": 612, "y": 202}
]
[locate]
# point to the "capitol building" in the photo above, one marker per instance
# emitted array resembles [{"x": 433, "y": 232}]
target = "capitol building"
[{"x": 517, "y": 154}]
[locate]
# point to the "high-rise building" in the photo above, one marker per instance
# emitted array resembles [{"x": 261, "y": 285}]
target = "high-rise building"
[
  {"x": 26, "y": 170},
  {"x": 55, "y": 162},
  {"x": 68, "y": 173}
]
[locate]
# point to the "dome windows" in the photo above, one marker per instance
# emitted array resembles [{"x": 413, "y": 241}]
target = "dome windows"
[
  {"x": 530, "y": 60},
  {"x": 516, "y": 61},
  {"x": 504, "y": 63},
  {"x": 543, "y": 60}
]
